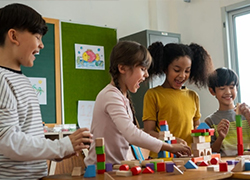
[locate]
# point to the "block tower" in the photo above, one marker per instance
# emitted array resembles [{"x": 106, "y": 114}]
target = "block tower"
[
  {"x": 167, "y": 137},
  {"x": 201, "y": 141},
  {"x": 100, "y": 155},
  {"x": 239, "y": 131}
]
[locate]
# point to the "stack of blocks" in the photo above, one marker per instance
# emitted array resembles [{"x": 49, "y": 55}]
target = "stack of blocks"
[
  {"x": 201, "y": 141},
  {"x": 167, "y": 137},
  {"x": 239, "y": 131},
  {"x": 99, "y": 148}
]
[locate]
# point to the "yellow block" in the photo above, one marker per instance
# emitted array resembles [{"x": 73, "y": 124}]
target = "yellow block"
[{"x": 207, "y": 138}]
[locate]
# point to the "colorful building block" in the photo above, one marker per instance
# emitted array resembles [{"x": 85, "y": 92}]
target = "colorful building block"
[
  {"x": 223, "y": 167},
  {"x": 190, "y": 165},
  {"x": 90, "y": 171},
  {"x": 136, "y": 170},
  {"x": 147, "y": 170}
]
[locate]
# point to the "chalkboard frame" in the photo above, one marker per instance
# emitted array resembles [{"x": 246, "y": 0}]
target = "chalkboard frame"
[{"x": 56, "y": 23}]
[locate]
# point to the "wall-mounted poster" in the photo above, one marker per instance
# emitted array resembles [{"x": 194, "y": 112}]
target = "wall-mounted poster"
[
  {"x": 39, "y": 86},
  {"x": 89, "y": 57}
]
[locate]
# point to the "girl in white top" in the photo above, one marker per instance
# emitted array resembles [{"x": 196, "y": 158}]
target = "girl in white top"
[{"x": 113, "y": 116}]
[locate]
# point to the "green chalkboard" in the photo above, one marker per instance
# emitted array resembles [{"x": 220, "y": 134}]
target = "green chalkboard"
[
  {"x": 83, "y": 84},
  {"x": 45, "y": 67}
]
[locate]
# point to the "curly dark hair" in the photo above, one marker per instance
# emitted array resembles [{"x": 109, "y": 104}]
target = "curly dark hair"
[{"x": 162, "y": 56}]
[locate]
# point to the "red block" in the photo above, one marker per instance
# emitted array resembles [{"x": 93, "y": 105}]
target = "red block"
[
  {"x": 163, "y": 123},
  {"x": 203, "y": 163},
  {"x": 214, "y": 161},
  {"x": 240, "y": 149},
  {"x": 124, "y": 167},
  {"x": 223, "y": 167},
  {"x": 102, "y": 171},
  {"x": 174, "y": 141},
  {"x": 161, "y": 167},
  {"x": 198, "y": 130},
  {"x": 148, "y": 170},
  {"x": 135, "y": 170},
  {"x": 100, "y": 157},
  {"x": 239, "y": 135}
]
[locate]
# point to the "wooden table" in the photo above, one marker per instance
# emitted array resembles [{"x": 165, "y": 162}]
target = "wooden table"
[{"x": 189, "y": 174}]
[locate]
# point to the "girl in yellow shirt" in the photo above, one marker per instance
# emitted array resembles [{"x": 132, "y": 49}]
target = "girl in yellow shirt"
[{"x": 172, "y": 101}]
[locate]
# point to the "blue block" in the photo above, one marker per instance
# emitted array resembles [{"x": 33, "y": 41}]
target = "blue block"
[
  {"x": 169, "y": 167},
  {"x": 164, "y": 128},
  {"x": 90, "y": 171},
  {"x": 169, "y": 141},
  {"x": 247, "y": 166},
  {"x": 151, "y": 165},
  {"x": 162, "y": 154},
  {"x": 203, "y": 125},
  {"x": 230, "y": 162},
  {"x": 191, "y": 165}
]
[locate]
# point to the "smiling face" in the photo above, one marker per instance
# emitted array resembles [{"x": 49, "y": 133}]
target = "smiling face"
[
  {"x": 28, "y": 45},
  {"x": 130, "y": 79},
  {"x": 225, "y": 95},
  {"x": 178, "y": 73}
]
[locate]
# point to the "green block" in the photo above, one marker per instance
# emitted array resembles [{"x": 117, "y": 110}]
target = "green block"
[
  {"x": 238, "y": 121},
  {"x": 99, "y": 150},
  {"x": 155, "y": 165},
  {"x": 100, "y": 165},
  {"x": 195, "y": 134},
  {"x": 205, "y": 134}
]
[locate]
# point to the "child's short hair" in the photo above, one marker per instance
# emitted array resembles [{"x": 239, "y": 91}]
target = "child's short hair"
[
  {"x": 20, "y": 17},
  {"x": 221, "y": 77}
]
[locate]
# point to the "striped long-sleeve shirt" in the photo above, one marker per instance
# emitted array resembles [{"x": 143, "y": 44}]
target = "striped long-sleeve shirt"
[{"x": 23, "y": 147}]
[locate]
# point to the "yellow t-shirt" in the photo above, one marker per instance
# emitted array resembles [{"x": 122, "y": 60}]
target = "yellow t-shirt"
[{"x": 178, "y": 107}]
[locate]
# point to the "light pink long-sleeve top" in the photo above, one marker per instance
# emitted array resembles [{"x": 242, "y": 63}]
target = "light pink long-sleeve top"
[{"x": 112, "y": 119}]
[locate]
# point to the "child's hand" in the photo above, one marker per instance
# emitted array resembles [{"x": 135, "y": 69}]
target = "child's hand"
[
  {"x": 223, "y": 128},
  {"x": 181, "y": 141},
  {"x": 180, "y": 149},
  {"x": 245, "y": 111},
  {"x": 81, "y": 139}
]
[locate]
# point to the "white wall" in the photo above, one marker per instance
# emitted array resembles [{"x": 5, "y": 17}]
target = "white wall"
[{"x": 198, "y": 21}]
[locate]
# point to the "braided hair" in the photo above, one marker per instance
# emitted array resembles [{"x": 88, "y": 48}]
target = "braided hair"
[{"x": 131, "y": 54}]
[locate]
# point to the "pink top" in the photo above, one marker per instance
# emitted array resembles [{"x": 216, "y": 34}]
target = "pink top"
[{"x": 112, "y": 119}]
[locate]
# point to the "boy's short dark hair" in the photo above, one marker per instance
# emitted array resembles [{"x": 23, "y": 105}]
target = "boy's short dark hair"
[
  {"x": 221, "y": 77},
  {"x": 20, "y": 17}
]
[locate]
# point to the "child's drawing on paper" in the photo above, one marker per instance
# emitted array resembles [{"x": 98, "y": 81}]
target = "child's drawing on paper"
[
  {"x": 39, "y": 85},
  {"x": 89, "y": 57}
]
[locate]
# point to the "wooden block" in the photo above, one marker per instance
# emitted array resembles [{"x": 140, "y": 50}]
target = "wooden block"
[
  {"x": 131, "y": 163},
  {"x": 116, "y": 166},
  {"x": 207, "y": 151},
  {"x": 123, "y": 173},
  {"x": 107, "y": 176},
  {"x": 200, "y": 146},
  {"x": 207, "y": 138},
  {"x": 196, "y": 159},
  {"x": 135, "y": 170},
  {"x": 237, "y": 108},
  {"x": 198, "y": 152},
  {"x": 240, "y": 166},
  {"x": 177, "y": 171},
  {"x": 216, "y": 155},
  {"x": 124, "y": 167},
  {"x": 143, "y": 163},
  {"x": 214, "y": 161},
  {"x": 77, "y": 171},
  {"x": 199, "y": 139},
  {"x": 223, "y": 167},
  {"x": 99, "y": 142},
  {"x": 179, "y": 162},
  {"x": 182, "y": 168},
  {"x": 213, "y": 168},
  {"x": 147, "y": 170}
]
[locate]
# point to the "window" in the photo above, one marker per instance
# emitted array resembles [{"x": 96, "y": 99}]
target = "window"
[{"x": 237, "y": 45}]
